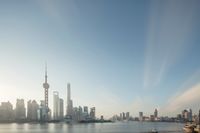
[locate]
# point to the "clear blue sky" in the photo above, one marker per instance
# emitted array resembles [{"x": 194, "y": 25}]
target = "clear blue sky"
[{"x": 118, "y": 55}]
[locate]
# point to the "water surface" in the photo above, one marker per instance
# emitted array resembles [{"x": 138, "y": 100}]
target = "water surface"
[{"x": 118, "y": 127}]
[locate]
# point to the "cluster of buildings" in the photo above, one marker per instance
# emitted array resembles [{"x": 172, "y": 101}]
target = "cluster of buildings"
[
  {"x": 185, "y": 116},
  {"x": 122, "y": 117},
  {"x": 78, "y": 113},
  {"x": 153, "y": 117},
  {"x": 41, "y": 112},
  {"x": 7, "y": 113},
  {"x": 126, "y": 116}
]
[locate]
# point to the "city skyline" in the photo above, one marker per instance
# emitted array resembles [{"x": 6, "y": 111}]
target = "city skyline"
[
  {"x": 80, "y": 114},
  {"x": 58, "y": 110},
  {"x": 133, "y": 56}
]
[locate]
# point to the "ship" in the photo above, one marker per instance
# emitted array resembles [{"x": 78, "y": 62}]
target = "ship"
[{"x": 189, "y": 128}]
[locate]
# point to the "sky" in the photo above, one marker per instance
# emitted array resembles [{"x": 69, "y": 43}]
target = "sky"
[{"x": 119, "y": 56}]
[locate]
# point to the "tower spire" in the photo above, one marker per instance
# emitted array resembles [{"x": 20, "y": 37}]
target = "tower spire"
[{"x": 45, "y": 72}]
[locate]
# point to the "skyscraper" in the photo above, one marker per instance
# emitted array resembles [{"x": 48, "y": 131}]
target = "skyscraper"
[
  {"x": 29, "y": 109},
  {"x": 190, "y": 114},
  {"x": 68, "y": 92},
  {"x": 85, "y": 109},
  {"x": 75, "y": 114},
  {"x": 57, "y": 106},
  {"x": 43, "y": 112},
  {"x": 69, "y": 101},
  {"x": 123, "y": 115},
  {"x": 156, "y": 113},
  {"x": 85, "y": 115},
  {"x": 32, "y": 108},
  {"x": 127, "y": 115},
  {"x": 120, "y": 116},
  {"x": 6, "y": 112},
  {"x": 56, "y": 101},
  {"x": 92, "y": 113},
  {"x": 140, "y": 116},
  {"x": 61, "y": 113},
  {"x": 185, "y": 115},
  {"x": 80, "y": 115},
  {"x": 20, "y": 111}
]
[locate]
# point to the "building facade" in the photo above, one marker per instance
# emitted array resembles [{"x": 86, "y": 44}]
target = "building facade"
[
  {"x": 20, "y": 111},
  {"x": 61, "y": 113},
  {"x": 93, "y": 113},
  {"x": 6, "y": 112},
  {"x": 69, "y": 101},
  {"x": 32, "y": 108},
  {"x": 58, "y": 106},
  {"x": 141, "y": 116}
]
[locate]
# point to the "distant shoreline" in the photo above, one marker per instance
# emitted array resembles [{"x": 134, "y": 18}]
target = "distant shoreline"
[
  {"x": 81, "y": 122},
  {"x": 55, "y": 121}
]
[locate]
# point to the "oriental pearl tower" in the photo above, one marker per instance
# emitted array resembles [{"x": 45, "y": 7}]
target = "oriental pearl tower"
[{"x": 46, "y": 87}]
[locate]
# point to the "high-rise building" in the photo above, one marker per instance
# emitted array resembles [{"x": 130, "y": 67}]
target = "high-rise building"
[
  {"x": 85, "y": 109},
  {"x": 85, "y": 115},
  {"x": 68, "y": 92},
  {"x": 92, "y": 113},
  {"x": 190, "y": 115},
  {"x": 20, "y": 111},
  {"x": 69, "y": 101},
  {"x": 185, "y": 115},
  {"x": 123, "y": 115},
  {"x": 32, "y": 108},
  {"x": 61, "y": 106},
  {"x": 156, "y": 113},
  {"x": 140, "y": 116},
  {"x": 6, "y": 111},
  {"x": 80, "y": 115},
  {"x": 127, "y": 115},
  {"x": 56, "y": 109},
  {"x": 43, "y": 112},
  {"x": 29, "y": 109},
  {"x": 57, "y": 106},
  {"x": 75, "y": 114}
]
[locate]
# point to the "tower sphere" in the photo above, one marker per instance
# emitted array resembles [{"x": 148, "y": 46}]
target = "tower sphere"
[{"x": 46, "y": 85}]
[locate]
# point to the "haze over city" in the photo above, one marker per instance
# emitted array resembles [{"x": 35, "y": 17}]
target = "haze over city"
[{"x": 132, "y": 56}]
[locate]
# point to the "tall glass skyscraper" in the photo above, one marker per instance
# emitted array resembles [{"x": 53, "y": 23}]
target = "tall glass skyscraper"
[{"x": 69, "y": 101}]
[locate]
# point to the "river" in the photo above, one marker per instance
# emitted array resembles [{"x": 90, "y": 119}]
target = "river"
[{"x": 117, "y": 127}]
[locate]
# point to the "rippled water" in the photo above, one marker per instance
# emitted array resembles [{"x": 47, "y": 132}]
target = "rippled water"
[{"x": 118, "y": 127}]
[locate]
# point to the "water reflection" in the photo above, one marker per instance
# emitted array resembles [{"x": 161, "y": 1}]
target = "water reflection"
[{"x": 118, "y": 127}]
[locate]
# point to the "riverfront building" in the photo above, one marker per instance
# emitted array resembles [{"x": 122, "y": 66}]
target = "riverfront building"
[{"x": 32, "y": 108}]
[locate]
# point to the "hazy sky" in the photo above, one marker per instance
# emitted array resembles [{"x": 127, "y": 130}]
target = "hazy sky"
[{"x": 118, "y": 55}]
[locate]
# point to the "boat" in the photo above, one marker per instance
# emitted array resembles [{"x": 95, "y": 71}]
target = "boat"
[
  {"x": 154, "y": 131},
  {"x": 189, "y": 128},
  {"x": 196, "y": 129}
]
